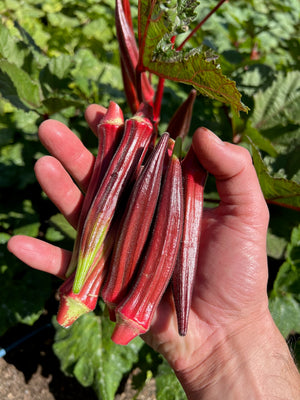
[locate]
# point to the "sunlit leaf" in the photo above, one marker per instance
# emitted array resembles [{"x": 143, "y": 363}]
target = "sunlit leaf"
[
  {"x": 60, "y": 223},
  {"x": 276, "y": 190},
  {"x": 285, "y": 296},
  {"x": 28, "y": 91},
  {"x": 279, "y": 105},
  {"x": 157, "y": 25},
  {"x": 167, "y": 384},
  {"x": 87, "y": 352}
]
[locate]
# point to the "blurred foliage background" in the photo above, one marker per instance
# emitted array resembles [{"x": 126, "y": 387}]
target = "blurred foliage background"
[{"x": 59, "y": 56}]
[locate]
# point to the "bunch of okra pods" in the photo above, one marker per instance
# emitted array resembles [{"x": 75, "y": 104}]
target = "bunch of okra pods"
[{"x": 139, "y": 227}]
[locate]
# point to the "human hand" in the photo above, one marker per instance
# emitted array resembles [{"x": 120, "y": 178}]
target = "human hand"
[
  {"x": 232, "y": 350},
  {"x": 230, "y": 294}
]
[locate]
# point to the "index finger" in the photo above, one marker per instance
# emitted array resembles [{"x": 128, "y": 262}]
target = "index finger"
[{"x": 64, "y": 145}]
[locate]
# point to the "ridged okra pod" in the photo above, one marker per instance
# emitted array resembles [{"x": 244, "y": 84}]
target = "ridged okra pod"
[
  {"x": 129, "y": 54},
  {"x": 135, "y": 312},
  {"x": 135, "y": 226},
  {"x": 180, "y": 122},
  {"x": 109, "y": 133},
  {"x": 194, "y": 178},
  {"x": 73, "y": 305},
  {"x": 137, "y": 135}
]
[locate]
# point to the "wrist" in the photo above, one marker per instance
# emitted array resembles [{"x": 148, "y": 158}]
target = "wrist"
[{"x": 250, "y": 361}]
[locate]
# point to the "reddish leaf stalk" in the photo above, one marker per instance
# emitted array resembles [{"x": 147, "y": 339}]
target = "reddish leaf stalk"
[
  {"x": 135, "y": 226},
  {"x": 194, "y": 178},
  {"x": 137, "y": 135},
  {"x": 135, "y": 312},
  {"x": 160, "y": 91},
  {"x": 109, "y": 133},
  {"x": 158, "y": 99}
]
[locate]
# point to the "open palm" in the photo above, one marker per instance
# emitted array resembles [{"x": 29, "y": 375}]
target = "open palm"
[{"x": 231, "y": 280}]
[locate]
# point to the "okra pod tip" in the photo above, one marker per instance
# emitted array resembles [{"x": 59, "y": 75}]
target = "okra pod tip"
[
  {"x": 125, "y": 331},
  {"x": 70, "y": 310}
]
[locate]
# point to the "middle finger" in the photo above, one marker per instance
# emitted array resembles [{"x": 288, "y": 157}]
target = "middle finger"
[{"x": 59, "y": 187}]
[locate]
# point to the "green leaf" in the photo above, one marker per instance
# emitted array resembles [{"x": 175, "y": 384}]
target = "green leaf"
[
  {"x": 59, "y": 222},
  {"x": 60, "y": 66},
  {"x": 26, "y": 89},
  {"x": 86, "y": 64},
  {"x": 285, "y": 311},
  {"x": 59, "y": 19},
  {"x": 22, "y": 219},
  {"x": 276, "y": 190},
  {"x": 87, "y": 352},
  {"x": 260, "y": 141},
  {"x": 285, "y": 296},
  {"x": 13, "y": 170},
  {"x": 6, "y": 130},
  {"x": 23, "y": 301},
  {"x": 24, "y": 291},
  {"x": 256, "y": 78},
  {"x": 194, "y": 67},
  {"x": 27, "y": 122},
  {"x": 276, "y": 245},
  {"x": 10, "y": 48},
  {"x": 167, "y": 384},
  {"x": 60, "y": 101},
  {"x": 279, "y": 105}
]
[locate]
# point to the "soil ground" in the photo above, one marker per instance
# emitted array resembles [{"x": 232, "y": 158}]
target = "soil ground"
[{"x": 31, "y": 371}]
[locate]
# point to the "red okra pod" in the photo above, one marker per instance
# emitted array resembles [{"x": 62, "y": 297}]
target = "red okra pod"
[
  {"x": 194, "y": 178},
  {"x": 135, "y": 312},
  {"x": 109, "y": 133},
  {"x": 129, "y": 54},
  {"x": 180, "y": 122},
  {"x": 127, "y": 12},
  {"x": 129, "y": 89},
  {"x": 73, "y": 305},
  {"x": 137, "y": 136},
  {"x": 135, "y": 226}
]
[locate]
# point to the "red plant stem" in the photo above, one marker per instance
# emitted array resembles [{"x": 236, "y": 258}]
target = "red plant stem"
[
  {"x": 290, "y": 206},
  {"x": 159, "y": 92},
  {"x": 158, "y": 99},
  {"x": 200, "y": 24},
  {"x": 138, "y": 84}
]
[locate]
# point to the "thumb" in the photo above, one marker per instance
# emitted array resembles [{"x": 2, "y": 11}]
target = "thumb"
[{"x": 236, "y": 179}]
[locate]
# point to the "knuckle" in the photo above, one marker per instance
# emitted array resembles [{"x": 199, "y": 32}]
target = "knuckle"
[{"x": 245, "y": 156}]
